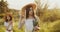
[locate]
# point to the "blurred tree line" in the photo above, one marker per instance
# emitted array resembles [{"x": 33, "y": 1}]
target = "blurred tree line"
[
  {"x": 4, "y": 9},
  {"x": 3, "y": 6}
]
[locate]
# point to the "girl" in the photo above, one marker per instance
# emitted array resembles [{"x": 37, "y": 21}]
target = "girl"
[
  {"x": 30, "y": 21},
  {"x": 8, "y": 23}
]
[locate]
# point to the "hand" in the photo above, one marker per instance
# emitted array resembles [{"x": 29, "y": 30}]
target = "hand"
[{"x": 36, "y": 28}]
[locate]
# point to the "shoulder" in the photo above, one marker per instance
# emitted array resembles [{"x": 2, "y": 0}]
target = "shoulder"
[{"x": 5, "y": 22}]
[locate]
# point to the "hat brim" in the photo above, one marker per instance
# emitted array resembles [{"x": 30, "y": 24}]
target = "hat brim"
[{"x": 33, "y": 5}]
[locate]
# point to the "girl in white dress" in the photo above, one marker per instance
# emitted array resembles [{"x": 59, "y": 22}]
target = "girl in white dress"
[
  {"x": 8, "y": 23},
  {"x": 30, "y": 21}
]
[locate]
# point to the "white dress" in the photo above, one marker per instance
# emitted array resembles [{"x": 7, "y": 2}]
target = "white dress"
[
  {"x": 29, "y": 25},
  {"x": 7, "y": 25}
]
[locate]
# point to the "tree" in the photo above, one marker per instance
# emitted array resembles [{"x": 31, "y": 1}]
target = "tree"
[{"x": 3, "y": 6}]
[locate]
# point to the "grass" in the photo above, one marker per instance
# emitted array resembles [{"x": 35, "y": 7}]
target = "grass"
[
  {"x": 45, "y": 27},
  {"x": 15, "y": 27}
]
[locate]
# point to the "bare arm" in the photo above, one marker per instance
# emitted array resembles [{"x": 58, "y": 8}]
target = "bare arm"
[{"x": 21, "y": 23}]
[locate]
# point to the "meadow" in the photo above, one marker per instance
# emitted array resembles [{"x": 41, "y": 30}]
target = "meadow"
[{"x": 50, "y": 22}]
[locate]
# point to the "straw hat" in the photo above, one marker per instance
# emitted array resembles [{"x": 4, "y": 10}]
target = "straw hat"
[{"x": 33, "y": 5}]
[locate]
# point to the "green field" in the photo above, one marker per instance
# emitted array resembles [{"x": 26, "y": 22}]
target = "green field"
[{"x": 45, "y": 27}]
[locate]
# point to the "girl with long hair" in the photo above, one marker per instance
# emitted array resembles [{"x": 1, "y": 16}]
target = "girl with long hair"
[
  {"x": 8, "y": 23},
  {"x": 30, "y": 21}
]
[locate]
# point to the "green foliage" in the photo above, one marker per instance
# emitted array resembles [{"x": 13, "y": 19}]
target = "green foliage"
[{"x": 3, "y": 6}]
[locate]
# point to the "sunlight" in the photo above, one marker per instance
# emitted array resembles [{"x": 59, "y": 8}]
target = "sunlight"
[
  {"x": 20, "y": 3},
  {"x": 52, "y": 3}
]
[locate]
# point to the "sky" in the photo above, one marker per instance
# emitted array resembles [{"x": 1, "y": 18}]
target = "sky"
[
  {"x": 52, "y": 3},
  {"x": 18, "y": 4}
]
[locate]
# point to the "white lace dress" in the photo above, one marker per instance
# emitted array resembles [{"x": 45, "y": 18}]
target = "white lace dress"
[{"x": 29, "y": 25}]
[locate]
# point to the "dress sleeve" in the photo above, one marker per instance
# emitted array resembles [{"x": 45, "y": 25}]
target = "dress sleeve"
[{"x": 37, "y": 20}]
